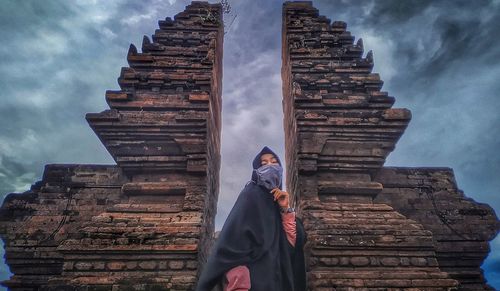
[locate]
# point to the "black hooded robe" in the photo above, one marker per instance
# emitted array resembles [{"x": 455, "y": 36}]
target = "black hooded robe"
[{"x": 253, "y": 236}]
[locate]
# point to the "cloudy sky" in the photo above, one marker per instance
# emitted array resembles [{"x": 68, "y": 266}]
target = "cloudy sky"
[{"x": 440, "y": 59}]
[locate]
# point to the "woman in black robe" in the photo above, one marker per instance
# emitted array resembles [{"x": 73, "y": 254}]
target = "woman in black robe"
[{"x": 253, "y": 236}]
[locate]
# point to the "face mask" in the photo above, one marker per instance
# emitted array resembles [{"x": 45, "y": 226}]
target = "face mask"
[{"x": 269, "y": 176}]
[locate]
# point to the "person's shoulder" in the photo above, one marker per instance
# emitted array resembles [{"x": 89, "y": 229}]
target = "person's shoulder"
[
  {"x": 252, "y": 193},
  {"x": 251, "y": 187}
]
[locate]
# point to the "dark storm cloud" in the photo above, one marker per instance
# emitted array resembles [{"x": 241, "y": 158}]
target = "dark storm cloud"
[
  {"x": 252, "y": 112},
  {"x": 440, "y": 59},
  {"x": 14, "y": 176},
  {"x": 59, "y": 57}
]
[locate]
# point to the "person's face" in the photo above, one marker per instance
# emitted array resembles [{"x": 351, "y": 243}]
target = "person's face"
[{"x": 267, "y": 159}]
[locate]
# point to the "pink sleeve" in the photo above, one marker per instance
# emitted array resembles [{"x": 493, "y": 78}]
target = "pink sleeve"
[
  {"x": 238, "y": 279},
  {"x": 290, "y": 227}
]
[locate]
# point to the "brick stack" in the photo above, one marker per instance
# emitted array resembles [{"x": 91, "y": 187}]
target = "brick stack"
[
  {"x": 147, "y": 222},
  {"x": 339, "y": 129},
  {"x": 461, "y": 227}
]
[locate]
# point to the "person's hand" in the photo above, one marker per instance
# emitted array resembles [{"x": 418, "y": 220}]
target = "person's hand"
[{"x": 282, "y": 197}]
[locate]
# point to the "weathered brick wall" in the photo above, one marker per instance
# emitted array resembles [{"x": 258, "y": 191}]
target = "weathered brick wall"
[
  {"x": 34, "y": 223},
  {"x": 148, "y": 222},
  {"x": 339, "y": 129},
  {"x": 461, "y": 227}
]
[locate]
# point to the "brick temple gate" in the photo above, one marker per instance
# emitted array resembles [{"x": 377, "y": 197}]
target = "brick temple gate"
[
  {"x": 147, "y": 222},
  {"x": 369, "y": 226}
]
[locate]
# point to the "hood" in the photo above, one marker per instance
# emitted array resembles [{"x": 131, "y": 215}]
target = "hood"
[
  {"x": 256, "y": 162},
  {"x": 265, "y": 150}
]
